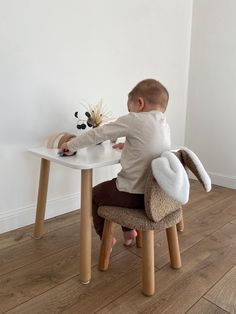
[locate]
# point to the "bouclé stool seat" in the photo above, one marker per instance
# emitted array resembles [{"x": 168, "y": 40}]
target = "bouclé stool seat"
[{"x": 137, "y": 218}]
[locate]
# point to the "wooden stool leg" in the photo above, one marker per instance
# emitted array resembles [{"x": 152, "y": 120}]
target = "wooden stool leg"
[
  {"x": 139, "y": 239},
  {"x": 86, "y": 226},
  {"x": 42, "y": 198},
  {"x": 148, "y": 273},
  {"x": 173, "y": 244},
  {"x": 180, "y": 225},
  {"x": 106, "y": 245}
]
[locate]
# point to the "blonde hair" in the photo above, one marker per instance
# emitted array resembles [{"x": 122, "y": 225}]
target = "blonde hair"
[{"x": 152, "y": 91}]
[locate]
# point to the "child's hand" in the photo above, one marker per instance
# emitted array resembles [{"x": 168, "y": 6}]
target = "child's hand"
[
  {"x": 118, "y": 145},
  {"x": 64, "y": 150}
]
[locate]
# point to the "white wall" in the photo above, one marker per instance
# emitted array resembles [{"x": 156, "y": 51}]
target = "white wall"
[
  {"x": 211, "y": 126},
  {"x": 54, "y": 53}
]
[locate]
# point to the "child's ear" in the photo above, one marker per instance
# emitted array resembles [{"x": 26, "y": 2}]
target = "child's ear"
[{"x": 141, "y": 103}]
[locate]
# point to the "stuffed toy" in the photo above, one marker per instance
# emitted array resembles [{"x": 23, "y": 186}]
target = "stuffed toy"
[{"x": 57, "y": 139}]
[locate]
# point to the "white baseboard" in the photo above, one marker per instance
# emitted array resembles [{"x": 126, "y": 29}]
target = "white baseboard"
[
  {"x": 23, "y": 216},
  {"x": 220, "y": 179},
  {"x": 223, "y": 180}
]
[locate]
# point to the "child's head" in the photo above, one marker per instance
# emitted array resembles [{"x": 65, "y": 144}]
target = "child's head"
[{"x": 148, "y": 95}]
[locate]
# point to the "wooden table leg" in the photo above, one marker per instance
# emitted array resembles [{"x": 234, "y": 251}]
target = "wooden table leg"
[
  {"x": 85, "y": 226},
  {"x": 42, "y": 198}
]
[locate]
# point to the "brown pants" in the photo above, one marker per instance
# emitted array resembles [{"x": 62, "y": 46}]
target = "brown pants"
[{"x": 107, "y": 194}]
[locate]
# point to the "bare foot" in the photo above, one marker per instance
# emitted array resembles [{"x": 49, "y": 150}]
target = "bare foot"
[{"x": 129, "y": 237}]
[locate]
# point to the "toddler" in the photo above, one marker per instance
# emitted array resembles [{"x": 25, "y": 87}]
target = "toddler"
[{"x": 147, "y": 136}]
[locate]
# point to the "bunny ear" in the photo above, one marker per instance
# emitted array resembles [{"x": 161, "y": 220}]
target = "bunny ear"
[
  {"x": 171, "y": 176},
  {"x": 192, "y": 162}
]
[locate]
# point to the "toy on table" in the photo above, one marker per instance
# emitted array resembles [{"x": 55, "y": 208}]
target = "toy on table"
[
  {"x": 57, "y": 139},
  {"x": 95, "y": 116},
  {"x": 62, "y": 153}
]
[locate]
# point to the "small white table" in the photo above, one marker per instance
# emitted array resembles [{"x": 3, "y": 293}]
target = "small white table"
[{"x": 85, "y": 160}]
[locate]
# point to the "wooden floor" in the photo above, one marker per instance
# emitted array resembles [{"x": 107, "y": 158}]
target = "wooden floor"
[{"x": 41, "y": 276}]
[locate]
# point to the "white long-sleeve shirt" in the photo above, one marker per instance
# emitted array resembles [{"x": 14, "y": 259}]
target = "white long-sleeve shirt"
[{"x": 147, "y": 136}]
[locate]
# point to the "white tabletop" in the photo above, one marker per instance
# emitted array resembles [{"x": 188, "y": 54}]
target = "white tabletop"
[{"x": 86, "y": 158}]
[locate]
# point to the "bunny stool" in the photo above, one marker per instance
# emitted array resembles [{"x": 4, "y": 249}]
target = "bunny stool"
[{"x": 166, "y": 190}]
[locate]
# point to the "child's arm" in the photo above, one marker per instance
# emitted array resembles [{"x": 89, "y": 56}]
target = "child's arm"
[{"x": 119, "y": 128}]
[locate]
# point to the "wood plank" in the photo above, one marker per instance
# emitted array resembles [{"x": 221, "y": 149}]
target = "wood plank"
[
  {"x": 44, "y": 274},
  {"x": 23, "y": 234},
  {"x": 223, "y": 293},
  {"x": 197, "y": 198},
  {"x": 205, "y": 307},
  {"x": 37, "y": 277},
  {"x": 177, "y": 291},
  {"x": 201, "y": 224},
  {"x": 27, "y": 282},
  {"x": 72, "y": 297},
  {"x": 15, "y": 257},
  {"x": 233, "y": 221},
  {"x": 197, "y": 226}
]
